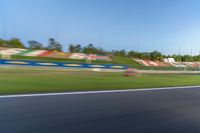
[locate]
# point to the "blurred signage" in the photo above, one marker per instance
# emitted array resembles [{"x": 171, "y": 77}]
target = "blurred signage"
[
  {"x": 73, "y": 65},
  {"x": 47, "y": 64},
  {"x": 17, "y": 62}
]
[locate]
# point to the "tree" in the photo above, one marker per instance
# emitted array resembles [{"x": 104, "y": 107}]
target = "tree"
[
  {"x": 133, "y": 54},
  {"x": 91, "y": 49},
  {"x": 101, "y": 51},
  {"x": 2, "y": 43},
  {"x": 14, "y": 43},
  {"x": 145, "y": 56},
  {"x": 34, "y": 45},
  {"x": 155, "y": 55},
  {"x": 186, "y": 58},
  {"x": 75, "y": 48},
  {"x": 54, "y": 45},
  {"x": 119, "y": 52}
]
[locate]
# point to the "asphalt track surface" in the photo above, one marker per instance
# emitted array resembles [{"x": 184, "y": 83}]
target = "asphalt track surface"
[{"x": 153, "y": 111}]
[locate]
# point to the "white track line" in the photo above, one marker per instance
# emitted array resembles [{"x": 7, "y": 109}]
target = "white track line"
[{"x": 95, "y": 92}]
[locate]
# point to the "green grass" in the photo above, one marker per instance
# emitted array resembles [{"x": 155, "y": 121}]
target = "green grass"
[
  {"x": 125, "y": 61},
  {"x": 21, "y": 81}
]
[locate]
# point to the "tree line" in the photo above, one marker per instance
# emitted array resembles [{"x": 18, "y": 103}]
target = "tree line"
[
  {"x": 54, "y": 45},
  {"x": 153, "y": 56}
]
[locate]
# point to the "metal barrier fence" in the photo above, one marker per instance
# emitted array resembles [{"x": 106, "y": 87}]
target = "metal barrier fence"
[{"x": 60, "y": 64}]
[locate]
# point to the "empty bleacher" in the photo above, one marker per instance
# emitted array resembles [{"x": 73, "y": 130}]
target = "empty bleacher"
[{"x": 50, "y": 54}]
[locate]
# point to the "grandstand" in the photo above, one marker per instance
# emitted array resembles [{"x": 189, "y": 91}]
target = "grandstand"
[
  {"x": 167, "y": 63},
  {"x": 50, "y": 54},
  {"x": 55, "y": 56},
  {"x": 151, "y": 63},
  {"x": 192, "y": 64}
]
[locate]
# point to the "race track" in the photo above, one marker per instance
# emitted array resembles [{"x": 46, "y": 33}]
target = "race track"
[{"x": 153, "y": 111}]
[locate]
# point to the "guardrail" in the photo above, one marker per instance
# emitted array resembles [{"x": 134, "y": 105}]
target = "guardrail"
[{"x": 60, "y": 64}]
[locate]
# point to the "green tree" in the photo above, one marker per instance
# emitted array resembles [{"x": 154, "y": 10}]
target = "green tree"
[
  {"x": 91, "y": 49},
  {"x": 133, "y": 54},
  {"x": 75, "y": 48},
  {"x": 14, "y": 43},
  {"x": 155, "y": 55},
  {"x": 2, "y": 43},
  {"x": 34, "y": 45},
  {"x": 54, "y": 45},
  {"x": 119, "y": 52},
  {"x": 145, "y": 56}
]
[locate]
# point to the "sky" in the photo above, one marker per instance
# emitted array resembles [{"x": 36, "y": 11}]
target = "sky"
[{"x": 169, "y": 26}]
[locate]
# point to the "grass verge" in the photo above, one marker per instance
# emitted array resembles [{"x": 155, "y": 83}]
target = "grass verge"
[{"x": 23, "y": 81}]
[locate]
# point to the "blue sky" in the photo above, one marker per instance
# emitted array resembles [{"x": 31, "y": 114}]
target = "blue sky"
[{"x": 170, "y": 26}]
